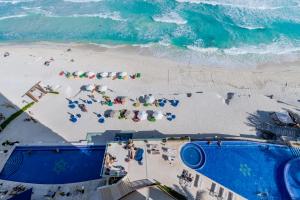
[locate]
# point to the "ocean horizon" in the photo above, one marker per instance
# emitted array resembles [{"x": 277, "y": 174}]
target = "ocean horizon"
[{"x": 211, "y": 33}]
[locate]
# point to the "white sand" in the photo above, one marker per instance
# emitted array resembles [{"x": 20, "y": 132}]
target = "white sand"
[{"x": 204, "y": 113}]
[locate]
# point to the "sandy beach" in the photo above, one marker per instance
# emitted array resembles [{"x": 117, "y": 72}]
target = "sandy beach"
[{"x": 203, "y": 113}]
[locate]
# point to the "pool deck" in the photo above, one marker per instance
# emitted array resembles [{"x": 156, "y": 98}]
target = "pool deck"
[
  {"x": 156, "y": 167},
  {"x": 40, "y": 190}
]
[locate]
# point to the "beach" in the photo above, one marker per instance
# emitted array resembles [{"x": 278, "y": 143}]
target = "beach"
[{"x": 201, "y": 92}]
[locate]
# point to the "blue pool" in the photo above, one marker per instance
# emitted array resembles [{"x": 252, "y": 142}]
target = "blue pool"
[
  {"x": 54, "y": 165},
  {"x": 253, "y": 170}
]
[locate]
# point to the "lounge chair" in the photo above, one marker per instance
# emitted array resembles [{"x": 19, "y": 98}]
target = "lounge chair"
[
  {"x": 221, "y": 193},
  {"x": 139, "y": 155},
  {"x": 197, "y": 177},
  {"x": 230, "y": 196},
  {"x": 50, "y": 194},
  {"x": 212, "y": 190}
]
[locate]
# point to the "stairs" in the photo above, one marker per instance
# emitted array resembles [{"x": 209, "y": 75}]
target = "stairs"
[{"x": 122, "y": 188}]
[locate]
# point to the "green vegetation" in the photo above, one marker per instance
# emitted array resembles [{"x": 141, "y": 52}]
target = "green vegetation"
[
  {"x": 53, "y": 92},
  {"x": 15, "y": 115},
  {"x": 183, "y": 138},
  {"x": 170, "y": 191}
]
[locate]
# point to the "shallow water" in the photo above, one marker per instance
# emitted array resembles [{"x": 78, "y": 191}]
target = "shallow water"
[{"x": 227, "y": 32}]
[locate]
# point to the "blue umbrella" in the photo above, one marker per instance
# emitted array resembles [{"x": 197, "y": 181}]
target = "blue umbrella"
[
  {"x": 73, "y": 119},
  {"x": 101, "y": 120},
  {"x": 72, "y": 106},
  {"x": 161, "y": 104}
]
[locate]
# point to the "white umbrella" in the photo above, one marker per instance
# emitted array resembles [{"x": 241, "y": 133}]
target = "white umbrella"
[
  {"x": 101, "y": 88},
  {"x": 90, "y": 74},
  {"x": 158, "y": 115},
  {"x": 103, "y": 74},
  {"x": 112, "y": 74},
  {"x": 78, "y": 73},
  {"x": 89, "y": 87},
  {"x": 149, "y": 99},
  {"x": 122, "y": 74},
  {"x": 142, "y": 115}
]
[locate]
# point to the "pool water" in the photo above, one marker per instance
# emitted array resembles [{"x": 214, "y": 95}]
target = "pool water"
[
  {"x": 253, "y": 170},
  {"x": 54, "y": 165}
]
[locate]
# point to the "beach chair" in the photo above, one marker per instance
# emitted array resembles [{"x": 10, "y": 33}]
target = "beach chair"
[
  {"x": 230, "y": 196},
  {"x": 170, "y": 158},
  {"x": 221, "y": 194},
  {"x": 197, "y": 177},
  {"x": 212, "y": 190}
]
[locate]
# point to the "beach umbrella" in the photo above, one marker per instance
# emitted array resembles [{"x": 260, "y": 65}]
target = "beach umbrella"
[
  {"x": 112, "y": 74},
  {"x": 101, "y": 88},
  {"x": 89, "y": 87},
  {"x": 90, "y": 74},
  {"x": 142, "y": 115},
  {"x": 103, "y": 74},
  {"x": 158, "y": 115},
  {"x": 122, "y": 74},
  {"x": 78, "y": 73},
  {"x": 149, "y": 99}
]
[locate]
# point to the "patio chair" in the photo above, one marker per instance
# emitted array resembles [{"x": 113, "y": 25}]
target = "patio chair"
[
  {"x": 221, "y": 194},
  {"x": 212, "y": 190}
]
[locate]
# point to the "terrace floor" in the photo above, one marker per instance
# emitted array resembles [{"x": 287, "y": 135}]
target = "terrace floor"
[{"x": 158, "y": 167}]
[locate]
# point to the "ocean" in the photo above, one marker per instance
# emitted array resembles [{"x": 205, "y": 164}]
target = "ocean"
[{"x": 221, "y": 33}]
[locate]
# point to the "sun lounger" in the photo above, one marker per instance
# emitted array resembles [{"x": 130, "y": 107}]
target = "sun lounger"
[
  {"x": 212, "y": 190},
  {"x": 221, "y": 193},
  {"x": 197, "y": 177},
  {"x": 230, "y": 196},
  {"x": 171, "y": 151},
  {"x": 155, "y": 151},
  {"x": 139, "y": 155}
]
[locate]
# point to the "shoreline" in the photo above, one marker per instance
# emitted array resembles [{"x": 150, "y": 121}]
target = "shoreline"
[{"x": 149, "y": 50}]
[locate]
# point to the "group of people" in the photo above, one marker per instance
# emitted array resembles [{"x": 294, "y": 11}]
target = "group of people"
[{"x": 186, "y": 177}]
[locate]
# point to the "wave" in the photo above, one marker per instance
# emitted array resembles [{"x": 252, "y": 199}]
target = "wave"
[
  {"x": 260, "y": 5},
  {"x": 15, "y": 1},
  {"x": 82, "y": 1},
  {"x": 281, "y": 47},
  {"x": 116, "y": 16},
  {"x": 172, "y": 17},
  {"x": 12, "y": 16},
  {"x": 252, "y": 27},
  {"x": 113, "y": 16}
]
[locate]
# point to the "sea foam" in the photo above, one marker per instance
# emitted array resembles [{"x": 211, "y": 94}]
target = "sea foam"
[{"x": 171, "y": 17}]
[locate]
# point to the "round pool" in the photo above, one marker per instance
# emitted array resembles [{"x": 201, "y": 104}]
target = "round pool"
[
  {"x": 292, "y": 178},
  {"x": 192, "y": 155}
]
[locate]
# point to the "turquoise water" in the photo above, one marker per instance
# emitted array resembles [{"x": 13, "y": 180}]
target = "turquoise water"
[{"x": 195, "y": 29}]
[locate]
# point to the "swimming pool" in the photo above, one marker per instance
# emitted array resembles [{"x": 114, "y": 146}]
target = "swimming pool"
[
  {"x": 54, "y": 164},
  {"x": 253, "y": 170}
]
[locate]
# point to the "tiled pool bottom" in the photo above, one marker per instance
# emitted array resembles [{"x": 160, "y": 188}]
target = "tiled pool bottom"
[
  {"x": 54, "y": 164},
  {"x": 254, "y": 170}
]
